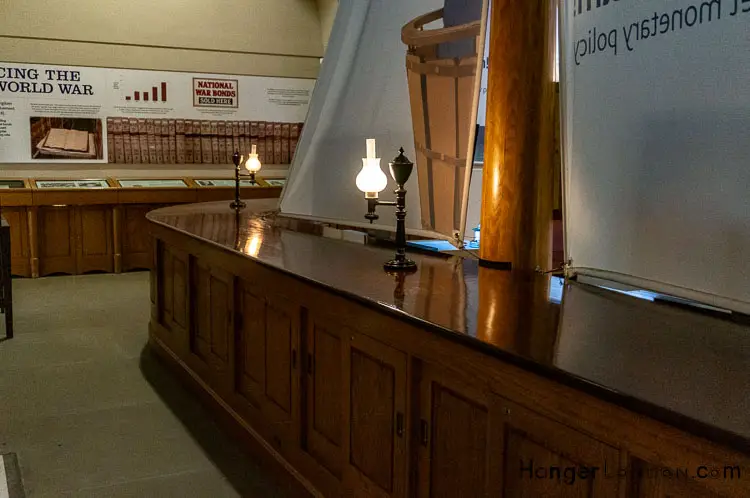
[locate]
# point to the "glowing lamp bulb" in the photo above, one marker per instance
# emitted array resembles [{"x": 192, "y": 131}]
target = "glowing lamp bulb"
[
  {"x": 371, "y": 179},
  {"x": 253, "y": 163}
]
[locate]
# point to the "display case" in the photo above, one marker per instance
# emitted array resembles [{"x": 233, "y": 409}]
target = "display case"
[
  {"x": 155, "y": 190},
  {"x": 227, "y": 182},
  {"x": 72, "y": 184},
  {"x": 68, "y": 191},
  {"x": 74, "y": 226},
  {"x": 222, "y": 189},
  {"x": 276, "y": 182},
  {"x": 71, "y": 226},
  {"x": 153, "y": 183},
  {"x": 15, "y": 196}
]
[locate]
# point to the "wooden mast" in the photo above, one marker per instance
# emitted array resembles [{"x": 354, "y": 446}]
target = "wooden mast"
[{"x": 517, "y": 190}]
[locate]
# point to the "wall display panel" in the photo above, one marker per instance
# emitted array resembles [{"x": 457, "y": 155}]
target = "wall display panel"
[
  {"x": 97, "y": 115},
  {"x": 153, "y": 183},
  {"x": 88, "y": 184},
  {"x": 656, "y": 101}
]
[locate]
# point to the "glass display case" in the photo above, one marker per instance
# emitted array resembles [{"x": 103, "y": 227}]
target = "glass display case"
[
  {"x": 87, "y": 184},
  {"x": 276, "y": 182},
  {"x": 153, "y": 183},
  {"x": 8, "y": 184},
  {"x": 225, "y": 182}
]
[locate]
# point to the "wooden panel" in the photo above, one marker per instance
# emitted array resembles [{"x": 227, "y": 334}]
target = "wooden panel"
[
  {"x": 545, "y": 458},
  {"x": 136, "y": 242},
  {"x": 156, "y": 195},
  {"x": 19, "y": 240},
  {"x": 15, "y": 197},
  {"x": 326, "y": 376},
  {"x": 74, "y": 197},
  {"x": 660, "y": 482},
  {"x": 208, "y": 194},
  {"x": 173, "y": 296},
  {"x": 212, "y": 320},
  {"x": 282, "y": 379},
  {"x": 96, "y": 239},
  {"x": 377, "y": 418},
  {"x": 454, "y": 436},
  {"x": 57, "y": 240},
  {"x": 251, "y": 361}
]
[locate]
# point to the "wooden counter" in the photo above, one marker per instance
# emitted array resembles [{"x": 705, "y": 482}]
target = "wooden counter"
[{"x": 456, "y": 381}]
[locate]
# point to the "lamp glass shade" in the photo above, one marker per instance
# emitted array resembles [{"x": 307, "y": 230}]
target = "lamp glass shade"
[
  {"x": 371, "y": 178},
  {"x": 253, "y": 163}
]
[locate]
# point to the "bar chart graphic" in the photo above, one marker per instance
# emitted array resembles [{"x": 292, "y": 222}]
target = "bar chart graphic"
[{"x": 155, "y": 94}]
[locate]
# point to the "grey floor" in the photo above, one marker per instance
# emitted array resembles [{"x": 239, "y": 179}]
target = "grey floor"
[{"x": 90, "y": 413}]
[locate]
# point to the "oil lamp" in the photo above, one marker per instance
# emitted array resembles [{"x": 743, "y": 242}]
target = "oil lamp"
[{"x": 371, "y": 180}]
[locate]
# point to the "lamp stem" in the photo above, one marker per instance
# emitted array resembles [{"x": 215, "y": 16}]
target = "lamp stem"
[
  {"x": 237, "y": 203},
  {"x": 400, "y": 223},
  {"x": 400, "y": 262}
]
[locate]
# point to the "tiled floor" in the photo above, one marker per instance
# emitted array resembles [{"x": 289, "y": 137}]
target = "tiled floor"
[{"x": 90, "y": 413}]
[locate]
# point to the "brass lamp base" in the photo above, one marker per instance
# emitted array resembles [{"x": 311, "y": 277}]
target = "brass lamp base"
[{"x": 400, "y": 265}]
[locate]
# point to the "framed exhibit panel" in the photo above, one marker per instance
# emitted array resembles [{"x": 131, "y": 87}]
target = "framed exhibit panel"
[
  {"x": 276, "y": 182},
  {"x": 72, "y": 184},
  {"x": 225, "y": 182},
  {"x": 13, "y": 184},
  {"x": 153, "y": 183}
]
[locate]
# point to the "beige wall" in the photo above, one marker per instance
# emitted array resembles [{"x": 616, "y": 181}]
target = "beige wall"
[
  {"x": 248, "y": 37},
  {"x": 327, "y": 10},
  {"x": 260, "y": 37}
]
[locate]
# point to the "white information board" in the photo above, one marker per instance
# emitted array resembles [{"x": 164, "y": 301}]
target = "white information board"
[
  {"x": 56, "y": 113},
  {"x": 656, "y": 112}
]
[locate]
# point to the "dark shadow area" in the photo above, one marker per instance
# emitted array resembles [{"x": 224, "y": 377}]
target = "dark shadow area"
[{"x": 227, "y": 454}]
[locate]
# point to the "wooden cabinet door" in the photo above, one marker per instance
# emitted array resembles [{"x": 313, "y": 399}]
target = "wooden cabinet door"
[
  {"x": 172, "y": 295},
  {"x": 95, "y": 251},
  {"x": 326, "y": 391},
  {"x": 251, "y": 346},
  {"x": 457, "y": 446},
  {"x": 282, "y": 381},
  {"x": 212, "y": 320},
  {"x": 57, "y": 241},
  {"x": 377, "y": 441},
  {"x": 136, "y": 243},
  {"x": 267, "y": 358},
  {"x": 19, "y": 241},
  {"x": 542, "y": 457}
]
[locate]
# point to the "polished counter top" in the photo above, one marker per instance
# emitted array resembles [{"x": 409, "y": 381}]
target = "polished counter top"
[{"x": 681, "y": 367}]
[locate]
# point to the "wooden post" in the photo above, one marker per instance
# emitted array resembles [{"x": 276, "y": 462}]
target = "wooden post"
[
  {"x": 32, "y": 218},
  {"x": 517, "y": 191},
  {"x": 117, "y": 237}
]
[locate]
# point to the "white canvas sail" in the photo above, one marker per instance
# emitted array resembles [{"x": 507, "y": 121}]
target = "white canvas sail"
[{"x": 362, "y": 92}]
